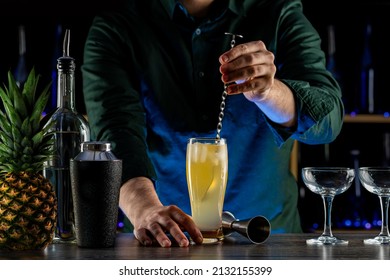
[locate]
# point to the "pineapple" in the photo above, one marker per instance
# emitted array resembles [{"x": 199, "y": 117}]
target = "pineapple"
[{"x": 28, "y": 205}]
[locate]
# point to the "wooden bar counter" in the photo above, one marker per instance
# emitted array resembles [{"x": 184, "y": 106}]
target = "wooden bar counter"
[{"x": 234, "y": 247}]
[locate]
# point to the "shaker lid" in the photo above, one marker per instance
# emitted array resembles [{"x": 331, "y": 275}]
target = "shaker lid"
[
  {"x": 100, "y": 146},
  {"x": 95, "y": 151}
]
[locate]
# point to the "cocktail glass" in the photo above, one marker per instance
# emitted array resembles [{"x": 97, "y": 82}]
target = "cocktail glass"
[
  {"x": 327, "y": 182},
  {"x": 377, "y": 181}
]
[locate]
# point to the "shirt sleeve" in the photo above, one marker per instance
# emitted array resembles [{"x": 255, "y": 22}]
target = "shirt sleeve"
[
  {"x": 114, "y": 107},
  {"x": 301, "y": 66}
]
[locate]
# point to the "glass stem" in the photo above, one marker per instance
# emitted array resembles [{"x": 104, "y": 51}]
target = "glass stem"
[
  {"x": 327, "y": 215},
  {"x": 385, "y": 216}
]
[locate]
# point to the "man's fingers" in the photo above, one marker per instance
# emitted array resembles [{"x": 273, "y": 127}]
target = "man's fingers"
[
  {"x": 187, "y": 224},
  {"x": 242, "y": 49},
  {"x": 142, "y": 236},
  {"x": 171, "y": 220},
  {"x": 146, "y": 235}
]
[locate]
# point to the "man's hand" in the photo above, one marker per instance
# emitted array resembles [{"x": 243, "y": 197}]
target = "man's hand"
[
  {"x": 251, "y": 66},
  {"x": 153, "y": 221},
  {"x": 249, "y": 69}
]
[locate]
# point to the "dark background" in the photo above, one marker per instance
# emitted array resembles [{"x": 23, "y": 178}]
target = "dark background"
[
  {"x": 361, "y": 143},
  {"x": 41, "y": 20}
]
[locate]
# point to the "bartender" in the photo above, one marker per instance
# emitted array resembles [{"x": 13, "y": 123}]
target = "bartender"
[{"x": 153, "y": 75}]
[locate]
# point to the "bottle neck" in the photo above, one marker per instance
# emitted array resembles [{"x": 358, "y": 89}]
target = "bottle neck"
[{"x": 66, "y": 89}]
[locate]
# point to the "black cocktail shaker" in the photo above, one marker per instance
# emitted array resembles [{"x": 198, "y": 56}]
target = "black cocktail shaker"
[{"x": 96, "y": 176}]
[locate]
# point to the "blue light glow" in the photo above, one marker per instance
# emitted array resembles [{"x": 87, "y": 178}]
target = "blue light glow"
[
  {"x": 348, "y": 223},
  {"x": 356, "y": 224}
]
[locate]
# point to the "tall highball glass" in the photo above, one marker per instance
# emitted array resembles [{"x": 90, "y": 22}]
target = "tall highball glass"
[{"x": 207, "y": 172}]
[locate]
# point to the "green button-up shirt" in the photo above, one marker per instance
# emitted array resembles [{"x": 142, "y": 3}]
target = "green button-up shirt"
[{"x": 151, "y": 81}]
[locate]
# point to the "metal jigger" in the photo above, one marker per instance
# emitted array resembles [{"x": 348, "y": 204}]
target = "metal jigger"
[{"x": 256, "y": 229}]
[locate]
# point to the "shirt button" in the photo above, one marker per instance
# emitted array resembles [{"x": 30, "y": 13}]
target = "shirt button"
[
  {"x": 198, "y": 31},
  {"x": 201, "y": 74}
]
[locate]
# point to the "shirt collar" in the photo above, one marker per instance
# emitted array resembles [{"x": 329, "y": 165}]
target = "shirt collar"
[
  {"x": 239, "y": 7},
  {"x": 169, "y": 6}
]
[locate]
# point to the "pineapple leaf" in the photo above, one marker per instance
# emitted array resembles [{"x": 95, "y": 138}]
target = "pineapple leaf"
[
  {"x": 9, "y": 166},
  {"x": 24, "y": 145},
  {"x": 28, "y": 151},
  {"x": 16, "y": 96},
  {"x": 4, "y": 124},
  {"x": 39, "y": 107},
  {"x": 26, "y": 159},
  {"x": 30, "y": 87},
  {"x": 42, "y": 138},
  {"x": 26, "y": 167},
  {"x": 7, "y": 102},
  {"x": 26, "y": 142},
  {"x": 5, "y": 168},
  {"x": 13, "y": 117},
  {"x": 5, "y": 150},
  {"x": 16, "y": 136},
  {"x": 4, "y": 96},
  {"x": 6, "y": 139},
  {"x": 26, "y": 128},
  {"x": 37, "y": 138}
]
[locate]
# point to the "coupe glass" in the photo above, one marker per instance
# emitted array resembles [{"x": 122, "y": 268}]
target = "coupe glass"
[
  {"x": 327, "y": 182},
  {"x": 377, "y": 181}
]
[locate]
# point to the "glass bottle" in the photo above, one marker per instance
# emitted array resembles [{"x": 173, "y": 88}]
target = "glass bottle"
[
  {"x": 21, "y": 69},
  {"x": 331, "y": 54},
  {"x": 69, "y": 130},
  {"x": 331, "y": 62},
  {"x": 367, "y": 80}
]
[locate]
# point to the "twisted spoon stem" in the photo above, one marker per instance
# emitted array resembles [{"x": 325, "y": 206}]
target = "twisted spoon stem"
[{"x": 224, "y": 93}]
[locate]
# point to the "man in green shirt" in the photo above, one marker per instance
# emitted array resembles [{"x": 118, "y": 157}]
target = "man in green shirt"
[{"x": 153, "y": 76}]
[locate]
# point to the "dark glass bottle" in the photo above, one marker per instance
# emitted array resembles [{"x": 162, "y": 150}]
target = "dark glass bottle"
[
  {"x": 331, "y": 54},
  {"x": 331, "y": 61},
  {"x": 21, "y": 69},
  {"x": 69, "y": 130},
  {"x": 367, "y": 90}
]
